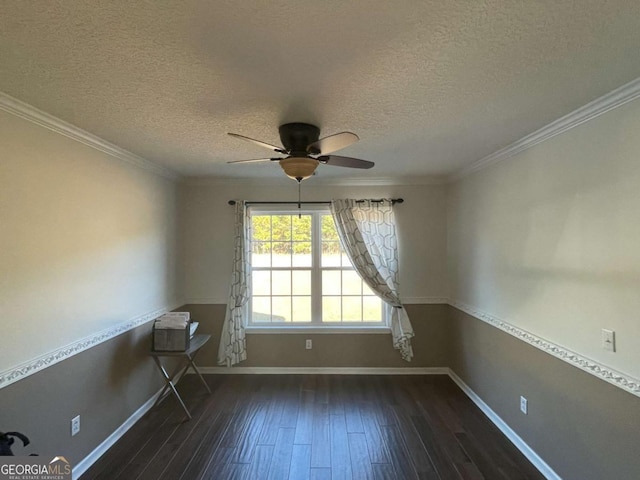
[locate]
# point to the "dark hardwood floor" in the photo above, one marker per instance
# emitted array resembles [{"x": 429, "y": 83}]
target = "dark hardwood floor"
[{"x": 315, "y": 427}]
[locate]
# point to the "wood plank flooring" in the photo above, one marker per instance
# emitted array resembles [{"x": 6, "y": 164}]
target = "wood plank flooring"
[{"x": 315, "y": 427}]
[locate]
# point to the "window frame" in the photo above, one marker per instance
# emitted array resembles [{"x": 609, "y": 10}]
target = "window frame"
[{"x": 316, "y": 325}]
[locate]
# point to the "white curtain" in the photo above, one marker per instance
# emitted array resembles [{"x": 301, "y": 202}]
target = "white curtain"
[
  {"x": 367, "y": 231},
  {"x": 232, "y": 348}
]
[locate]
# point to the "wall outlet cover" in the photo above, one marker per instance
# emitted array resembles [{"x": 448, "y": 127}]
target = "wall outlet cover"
[
  {"x": 75, "y": 425},
  {"x": 524, "y": 405}
]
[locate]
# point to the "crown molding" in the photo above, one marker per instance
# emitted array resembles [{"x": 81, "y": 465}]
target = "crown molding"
[
  {"x": 32, "y": 366},
  {"x": 32, "y": 114},
  {"x": 603, "y": 372},
  {"x": 210, "y": 181},
  {"x": 591, "y": 110}
]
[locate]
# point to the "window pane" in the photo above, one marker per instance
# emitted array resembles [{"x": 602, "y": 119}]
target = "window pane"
[
  {"x": 261, "y": 254},
  {"x": 261, "y": 282},
  {"x": 281, "y": 309},
  {"x": 329, "y": 231},
  {"x": 302, "y": 254},
  {"x": 281, "y": 256},
  {"x": 281, "y": 282},
  {"x": 366, "y": 290},
  {"x": 351, "y": 309},
  {"x": 351, "y": 283},
  {"x": 281, "y": 227},
  {"x": 331, "y": 311},
  {"x": 372, "y": 309},
  {"x": 301, "y": 309},
  {"x": 331, "y": 282},
  {"x": 301, "y": 228},
  {"x": 261, "y": 309},
  {"x": 301, "y": 282},
  {"x": 261, "y": 227},
  {"x": 284, "y": 273},
  {"x": 330, "y": 254}
]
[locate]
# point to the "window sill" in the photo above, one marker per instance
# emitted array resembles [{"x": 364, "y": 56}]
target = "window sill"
[{"x": 316, "y": 329}]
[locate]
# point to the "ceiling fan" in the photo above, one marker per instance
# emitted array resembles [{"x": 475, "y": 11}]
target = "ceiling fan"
[{"x": 304, "y": 150}]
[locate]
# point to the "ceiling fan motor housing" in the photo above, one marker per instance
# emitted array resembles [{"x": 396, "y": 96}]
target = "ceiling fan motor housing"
[{"x": 295, "y": 137}]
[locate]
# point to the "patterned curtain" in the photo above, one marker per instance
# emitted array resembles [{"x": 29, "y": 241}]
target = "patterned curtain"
[
  {"x": 367, "y": 231},
  {"x": 232, "y": 348}
]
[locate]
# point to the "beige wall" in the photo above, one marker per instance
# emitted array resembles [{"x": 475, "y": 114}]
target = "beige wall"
[
  {"x": 582, "y": 427},
  {"x": 206, "y": 229},
  {"x": 332, "y": 350},
  {"x": 549, "y": 240},
  {"x": 86, "y": 241}
]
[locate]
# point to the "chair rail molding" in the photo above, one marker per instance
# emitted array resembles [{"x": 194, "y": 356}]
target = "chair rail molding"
[
  {"x": 30, "y": 367},
  {"x": 608, "y": 374}
]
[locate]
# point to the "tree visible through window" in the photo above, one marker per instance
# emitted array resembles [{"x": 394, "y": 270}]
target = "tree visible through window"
[{"x": 301, "y": 275}]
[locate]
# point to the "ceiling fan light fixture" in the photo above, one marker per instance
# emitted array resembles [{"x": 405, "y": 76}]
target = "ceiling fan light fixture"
[{"x": 299, "y": 168}]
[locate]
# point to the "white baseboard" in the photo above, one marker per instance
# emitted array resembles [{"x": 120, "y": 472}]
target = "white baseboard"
[
  {"x": 325, "y": 370},
  {"x": 520, "y": 444},
  {"x": 90, "y": 459}
]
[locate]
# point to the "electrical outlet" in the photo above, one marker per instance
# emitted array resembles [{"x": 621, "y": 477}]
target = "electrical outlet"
[
  {"x": 608, "y": 340},
  {"x": 523, "y": 405},
  {"x": 309, "y": 344},
  {"x": 75, "y": 425}
]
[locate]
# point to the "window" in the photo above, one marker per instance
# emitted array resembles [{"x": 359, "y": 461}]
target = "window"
[{"x": 302, "y": 277}]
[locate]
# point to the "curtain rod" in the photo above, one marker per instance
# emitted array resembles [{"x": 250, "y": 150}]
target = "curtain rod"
[{"x": 326, "y": 202}]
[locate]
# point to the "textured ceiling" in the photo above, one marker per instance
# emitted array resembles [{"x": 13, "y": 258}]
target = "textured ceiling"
[{"x": 429, "y": 86}]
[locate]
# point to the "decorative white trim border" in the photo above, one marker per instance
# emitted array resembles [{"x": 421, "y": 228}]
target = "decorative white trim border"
[
  {"x": 39, "y": 117},
  {"x": 518, "y": 442},
  {"x": 40, "y": 363},
  {"x": 101, "y": 449},
  {"x": 591, "y": 110},
  {"x": 608, "y": 374},
  {"x": 324, "y": 370}
]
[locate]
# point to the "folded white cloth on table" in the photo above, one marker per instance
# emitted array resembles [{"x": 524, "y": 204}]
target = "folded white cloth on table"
[{"x": 173, "y": 320}]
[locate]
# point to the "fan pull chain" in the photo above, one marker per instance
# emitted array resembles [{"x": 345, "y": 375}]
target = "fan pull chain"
[{"x": 299, "y": 203}]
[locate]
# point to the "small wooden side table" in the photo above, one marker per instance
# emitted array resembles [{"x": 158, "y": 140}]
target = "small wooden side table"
[{"x": 185, "y": 361}]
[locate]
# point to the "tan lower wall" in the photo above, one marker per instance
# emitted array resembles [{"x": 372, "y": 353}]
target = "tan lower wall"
[
  {"x": 105, "y": 385},
  {"x": 340, "y": 350},
  {"x": 583, "y": 427}
]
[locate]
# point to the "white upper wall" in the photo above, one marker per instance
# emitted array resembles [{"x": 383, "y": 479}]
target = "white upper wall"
[
  {"x": 207, "y": 234},
  {"x": 550, "y": 240},
  {"x": 86, "y": 241}
]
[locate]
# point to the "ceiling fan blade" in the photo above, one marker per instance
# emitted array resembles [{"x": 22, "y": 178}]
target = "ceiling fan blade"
[
  {"x": 349, "y": 162},
  {"x": 258, "y": 142},
  {"x": 332, "y": 143},
  {"x": 255, "y": 160}
]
